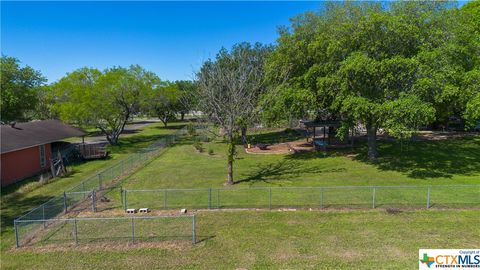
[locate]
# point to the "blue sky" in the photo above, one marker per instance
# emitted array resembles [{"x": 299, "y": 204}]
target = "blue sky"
[{"x": 170, "y": 38}]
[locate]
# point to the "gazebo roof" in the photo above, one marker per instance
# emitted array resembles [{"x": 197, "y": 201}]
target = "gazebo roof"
[{"x": 321, "y": 123}]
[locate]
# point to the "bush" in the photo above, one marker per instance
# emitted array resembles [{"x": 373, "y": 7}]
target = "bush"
[
  {"x": 191, "y": 130},
  {"x": 210, "y": 151},
  {"x": 199, "y": 146},
  {"x": 205, "y": 138}
]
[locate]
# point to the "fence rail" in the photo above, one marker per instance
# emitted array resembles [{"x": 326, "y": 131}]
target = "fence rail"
[
  {"x": 318, "y": 197},
  {"x": 84, "y": 194},
  {"x": 116, "y": 229}
]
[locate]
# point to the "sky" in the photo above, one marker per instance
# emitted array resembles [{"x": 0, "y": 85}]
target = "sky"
[{"x": 171, "y": 39}]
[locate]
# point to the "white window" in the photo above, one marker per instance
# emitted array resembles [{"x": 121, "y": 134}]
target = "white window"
[{"x": 43, "y": 158}]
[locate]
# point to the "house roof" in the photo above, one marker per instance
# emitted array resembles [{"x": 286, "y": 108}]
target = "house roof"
[{"x": 26, "y": 135}]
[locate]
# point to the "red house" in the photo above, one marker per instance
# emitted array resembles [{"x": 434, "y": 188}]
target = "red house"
[{"x": 26, "y": 148}]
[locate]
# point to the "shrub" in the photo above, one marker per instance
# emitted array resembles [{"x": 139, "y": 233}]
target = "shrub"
[
  {"x": 210, "y": 151},
  {"x": 199, "y": 146},
  {"x": 191, "y": 130}
]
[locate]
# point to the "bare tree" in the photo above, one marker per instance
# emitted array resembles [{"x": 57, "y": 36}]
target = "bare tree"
[{"x": 228, "y": 89}]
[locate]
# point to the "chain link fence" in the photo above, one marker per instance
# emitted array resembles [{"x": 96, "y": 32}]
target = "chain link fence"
[
  {"x": 316, "y": 197},
  {"x": 84, "y": 195},
  {"x": 106, "y": 229}
]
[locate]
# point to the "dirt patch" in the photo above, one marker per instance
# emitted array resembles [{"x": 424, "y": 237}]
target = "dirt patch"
[
  {"x": 282, "y": 148},
  {"x": 175, "y": 245},
  {"x": 442, "y": 135}
]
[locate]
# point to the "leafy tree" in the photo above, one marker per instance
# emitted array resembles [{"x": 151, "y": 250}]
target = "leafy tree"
[
  {"x": 363, "y": 63},
  {"x": 447, "y": 63},
  {"x": 472, "y": 85},
  {"x": 45, "y": 107},
  {"x": 186, "y": 100},
  {"x": 104, "y": 100},
  {"x": 18, "y": 89},
  {"x": 163, "y": 102},
  {"x": 227, "y": 90}
]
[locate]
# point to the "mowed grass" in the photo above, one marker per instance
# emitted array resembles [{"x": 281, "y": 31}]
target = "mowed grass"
[
  {"x": 280, "y": 240},
  {"x": 327, "y": 239},
  {"x": 18, "y": 199},
  {"x": 294, "y": 180},
  {"x": 449, "y": 162}
]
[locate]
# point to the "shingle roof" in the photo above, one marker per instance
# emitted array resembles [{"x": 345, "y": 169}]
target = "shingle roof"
[{"x": 25, "y": 135}]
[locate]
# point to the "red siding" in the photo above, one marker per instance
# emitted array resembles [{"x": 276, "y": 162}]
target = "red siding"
[{"x": 22, "y": 164}]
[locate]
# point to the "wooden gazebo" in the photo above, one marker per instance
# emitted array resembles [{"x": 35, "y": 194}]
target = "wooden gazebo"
[{"x": 326, "y": 135}]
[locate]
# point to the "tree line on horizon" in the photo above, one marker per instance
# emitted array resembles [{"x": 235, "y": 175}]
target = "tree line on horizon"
[{"x": 395, "y": 66}]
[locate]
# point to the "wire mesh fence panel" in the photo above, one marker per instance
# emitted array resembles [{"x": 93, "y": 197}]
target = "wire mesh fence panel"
[
  {"x": 295, "y": 197},
  {"x": 154, "y": 199},
  {"x": 195, "y": 198},
  {"x": 163, "y": 229},
  {"x": 241, "y": 198},
  {"x": 109, "y": 229},
  {"x": 317, "y": 197},
  {"x": 95, "y": 230},
  {"x": 454, "y": 196},
  {"x": 53, "y": 208},
  {"x": 347, "y": 197},
  {"x": 25, "y": 231},
  {"x": 55, "y": 232},
  {"x": 75, "y": 199},
  {"x": 416, "y": 197},
  {"x": 109, "y": 199}
]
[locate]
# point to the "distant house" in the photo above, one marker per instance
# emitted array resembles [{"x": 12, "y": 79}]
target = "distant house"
[{"x": 26, "y": 148}]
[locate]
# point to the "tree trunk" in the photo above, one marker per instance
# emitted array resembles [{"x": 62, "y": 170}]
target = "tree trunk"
[
  {"x": 230, "y": 173},
  {"x": 372, "y": 141},
  {"x": 182, "y": 116},
  {"x": 244, "y": 135},
  {"x": 164, "y": 120},
  {"x": 231, "y": 156}
]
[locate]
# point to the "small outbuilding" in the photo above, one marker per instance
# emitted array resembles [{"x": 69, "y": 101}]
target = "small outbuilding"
[
  {"x": 27, "y": 148},
  {"x": 322, "y": 133}
]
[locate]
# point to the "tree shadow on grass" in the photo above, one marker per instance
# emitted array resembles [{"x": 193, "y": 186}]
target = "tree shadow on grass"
[
  {"x": 18, "y": 206},
  {"x": 274, "y": 173},
  {"x": 428, "y": 159},
  {"x": 274, "y": 137},
  {"x": 416, "y": 159}
]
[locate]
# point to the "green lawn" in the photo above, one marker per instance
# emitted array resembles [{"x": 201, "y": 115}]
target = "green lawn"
[
  {"x": 451, "y": 162},
  {"x": 18, "y": 199},
  {"x": 364, "y": 239},
  {"x": 280, "y": 240}
]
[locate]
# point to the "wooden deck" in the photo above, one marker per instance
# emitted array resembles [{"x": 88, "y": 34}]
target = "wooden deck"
[{"x": 93, "y": 151}]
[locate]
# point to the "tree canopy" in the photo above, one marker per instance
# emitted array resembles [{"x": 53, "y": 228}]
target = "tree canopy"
[
  {"x": 19, "y": 86},
  {"x": 104, "y": 100},
  {"x": 228, "y": 90},
  {"x": 396, "y": 68}
]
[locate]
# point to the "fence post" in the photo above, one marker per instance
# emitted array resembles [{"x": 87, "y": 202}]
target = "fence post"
[
  {"x": 75, "y": 230},
  {"x": 428, "y": 197},
  {"x": 17, "y": 242},
  {"x": 83, "y": 185},
  {"x": 133, "y": 230},
  {"x": 165, "y": 199},
  {"x": 209, "y": 198},
  {"x": 321, "y": 198},
  {"x": 43, "y": 216},
  {"x": 218, "y": 198},
  {"x": 270, "y": 198},
  {"x": 194, "y": 240},
  {"x": 121, "y": 196},
  {"x": 94, "y": 198},
  {"x": 125, "y": 200},
  {"x": 373, "y": 198},
  {"x": 65, "y": 202}
]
